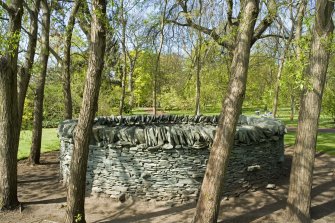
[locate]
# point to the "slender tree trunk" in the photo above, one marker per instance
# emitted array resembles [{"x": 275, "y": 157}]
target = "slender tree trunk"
[
  {"x": 280, "y": 71},
  {"x": 67, "y": 62},
  {"x": 197, "y": 89},
  {"x": 207, "y": 209},
  {"x": 9, "y": 131},
  {"x": 198, "y": 60},
  {"x": 35, "y": 149},
  {"x": 157, "y": 67},
  {"x": 131, "y": 81},
  {"x": 277, "y": 86},
  {"x": 25, "y": 72},
  {"x": 298, "y": 30},
  {"x": 124, "y": 51},
  {"x": 75, "y": 212},
  {"x": 299, "y": 196},
  {"x": 297, "y": 38},
  {"x": 292, "y": 106}
]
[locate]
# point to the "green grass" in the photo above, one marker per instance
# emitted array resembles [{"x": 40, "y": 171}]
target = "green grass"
[
  {"x": 325, "y": 142},
  {"x": 50, "y": 142}
]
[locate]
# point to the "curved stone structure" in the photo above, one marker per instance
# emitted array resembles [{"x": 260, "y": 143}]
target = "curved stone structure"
[{"x": 164, "y": 157}]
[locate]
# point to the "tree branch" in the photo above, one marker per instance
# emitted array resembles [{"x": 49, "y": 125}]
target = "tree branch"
[
  {"x": 190, "y": 23},
  {"x": 6, "y": 7},
  {"x": 27, "y": 7},
  {"x": 267, "y": 21}
]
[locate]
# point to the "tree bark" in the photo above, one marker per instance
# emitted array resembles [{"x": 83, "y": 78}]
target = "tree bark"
[
  {"x": 75, "y": 212},
  {"x": 9, "y": 132},
  {"x": 67, "y": 61},
  {"x": 124, "y": 51},
  {"x": 208, "y": 204},
  {"x": 25, "y": 72},
  {"x": 35, "y": 150},
  {"x": 299, "y": 196}
]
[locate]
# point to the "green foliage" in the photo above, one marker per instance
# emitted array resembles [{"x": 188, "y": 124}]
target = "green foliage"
[
  {"x": 328, "y": 102},
  {"x": 9, "y": 42}
]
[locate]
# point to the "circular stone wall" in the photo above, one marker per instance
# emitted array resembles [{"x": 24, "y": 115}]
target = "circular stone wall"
[{"x": 164, "y": 157}]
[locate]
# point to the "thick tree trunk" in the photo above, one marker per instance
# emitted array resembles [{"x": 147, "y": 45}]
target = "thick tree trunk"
[
  {"x": 211, "y": 190},
  {"x": 25, "y": 72},
  {"x": 75, "y": 212},
  {"x": 8, "y": 136},
  {"x": 299, "y": 197},
  {"x": 35, "y": 149},
  {"x": 67, "y": 62},
  {"x": 9, "y": 132}
]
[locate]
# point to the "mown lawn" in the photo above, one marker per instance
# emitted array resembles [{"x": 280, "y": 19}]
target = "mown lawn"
[
  {"x": 50, "y": 142},
  {"x": 325, "y": 142}
]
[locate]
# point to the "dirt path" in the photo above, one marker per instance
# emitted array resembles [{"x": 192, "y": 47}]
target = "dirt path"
[{"x": 44, "y": 198}]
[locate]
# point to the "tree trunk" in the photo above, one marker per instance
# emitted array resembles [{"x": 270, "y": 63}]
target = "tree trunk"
[
  {"x": 299, "y": 196},
  {"x": 197, "y": 89},
  {"x": 299, "y": 53},
  {"x": 131, "y": 81},
  {"x": 198, "y": 60},
  {"x": 157, "y": 67},
  {"x": 25, "y": 72},
  {"x": 75, "y": 212},
  {"x": 208, "y": 204},
  {"x": 9, "y": 132},
  {"x": 124, "y": 51},
  {"x": 280, "y": 71},
  {"x": 35, "y": 149},
  {"x": 292, "y": 107},
  {"x": 67, "y": 62}
]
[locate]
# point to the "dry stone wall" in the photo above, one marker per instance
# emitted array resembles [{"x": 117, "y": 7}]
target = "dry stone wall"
[{"x": 164, "y": 157}]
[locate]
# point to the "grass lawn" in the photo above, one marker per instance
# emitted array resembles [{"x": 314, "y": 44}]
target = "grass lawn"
[
  {"x": 50, "y": 142},
  {"x": 325, "y": 143}
]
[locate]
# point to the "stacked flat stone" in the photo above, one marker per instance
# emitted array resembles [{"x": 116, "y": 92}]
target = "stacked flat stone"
[{"x": 164, "y": 157}]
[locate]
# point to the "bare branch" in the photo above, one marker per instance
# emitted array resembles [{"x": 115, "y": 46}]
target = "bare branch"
[{"x": 267, "y": 21}]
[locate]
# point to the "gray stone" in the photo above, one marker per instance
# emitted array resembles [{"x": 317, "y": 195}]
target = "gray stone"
[
  {"x": 253, "y": 168},
  {"x": 271, "y": 186}
]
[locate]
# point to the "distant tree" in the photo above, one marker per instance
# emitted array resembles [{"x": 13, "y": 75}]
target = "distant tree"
[
  {"x": 66, "y": 62},
  {"x": 301, "y": 178},
  {"x": 26, "y": 69},
  {"x": 35, "y": 149},
  {"x": 75, "y": 212},
  {"x": 158, "y": 48}
]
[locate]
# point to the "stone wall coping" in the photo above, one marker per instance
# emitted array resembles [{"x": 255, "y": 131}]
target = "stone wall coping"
[{"x": 173, "y": 131}]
